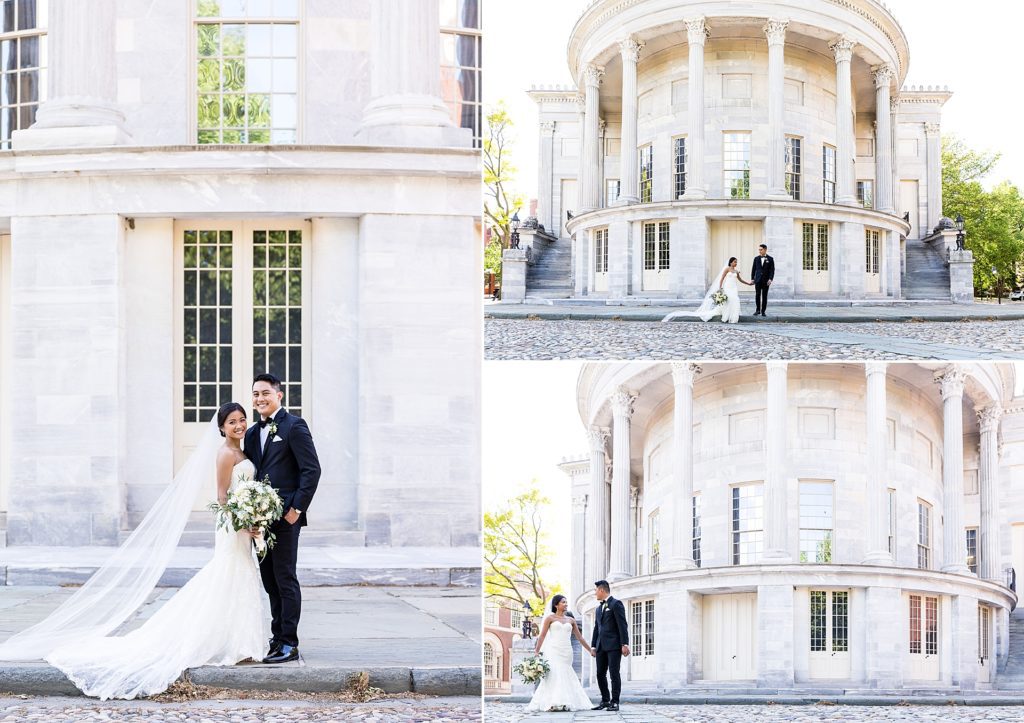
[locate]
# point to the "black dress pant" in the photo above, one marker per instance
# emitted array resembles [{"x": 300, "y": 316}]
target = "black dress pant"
[
  {"x": 608, "y": 662},
  {"x": 761, "y": 292},
  {"x": 282, "y": 583}
]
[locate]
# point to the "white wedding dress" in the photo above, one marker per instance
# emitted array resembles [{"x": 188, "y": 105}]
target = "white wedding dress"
[
  {"x": 708, "y": 310},
  {"x": 220, "y": 617},
  {"x": 560, "y": 688}
]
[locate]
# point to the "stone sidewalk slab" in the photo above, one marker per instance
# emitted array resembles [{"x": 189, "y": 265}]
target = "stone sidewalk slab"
[
  {"x": 778, "y": 313},
  {"x": 408, "y": 639},
  {"x": 794, "y": 698},
  {"x": 318, "y": 566}
]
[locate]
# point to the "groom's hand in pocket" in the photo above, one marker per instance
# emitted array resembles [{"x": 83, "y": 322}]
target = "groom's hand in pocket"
[{"x": 292, "y": 517}]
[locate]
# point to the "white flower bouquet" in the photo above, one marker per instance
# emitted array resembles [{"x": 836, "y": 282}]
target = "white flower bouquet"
[
  {"x": 532, "y": 670},
  {"x": 720, "y": 298},
  {"x": 252, "y": 504}
]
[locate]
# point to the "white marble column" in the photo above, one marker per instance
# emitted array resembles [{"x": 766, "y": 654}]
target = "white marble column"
[
  {"x": 988, "y": 486},
  {"x": 590, "y": 188},
  {"x": 581, "y": 551},
  {"x": 775, "y": 30},
  {"x": 405, "y": 105},
  {"x": 622, "y": 409},
  {"x": 954, "y": 545},
  {"x": 876, "y": 484},
  {"x": 933, "y": 141},
  {"x": 597, "y": 509},
  {"x": 628, "y": 167},
  {"x": 776, "y": 439},
  {"x": 545, "y": 178},
  {"x": 697, "y": 34},
  {"x": 82, "y": 108},
  {"x": 846, "y": 194},
  {"x": 883, "y": 139},
  {"x": 683, "y": 376}
]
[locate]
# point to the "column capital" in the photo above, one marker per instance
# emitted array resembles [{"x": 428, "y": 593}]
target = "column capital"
[
  {"x": 685, "y": 373},
  {"x": 622, "y": 402},
  {"x": 581, "y": 103},
  {"x": 592, "y": 75},
  {"x": 597, "y": 436},
  {"x": 630, "y": 48},
  {"x": 932, "y": 130},
  {"x": 602, "y": 126},
  {"x": 775, "y": 30},
  {"x": 547, "y": 128},
  {"x": 579, "y": 503},
  {"x": 842, "y": 47},
  {"x": 872, "y": 368},
  {"x": 883, "y": 75},
  {"x": 776, "y": 366},
  {"x": 697, "y": 31},
  {"x": 989, "y": 416},
  {"x": 894, "y": 102},
  {"x": 951, "y": 380}
]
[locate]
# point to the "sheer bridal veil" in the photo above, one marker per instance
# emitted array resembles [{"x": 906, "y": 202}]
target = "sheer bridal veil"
[
  {"x": 122, "y": 583},
  {"x": 707, "y": 308}
]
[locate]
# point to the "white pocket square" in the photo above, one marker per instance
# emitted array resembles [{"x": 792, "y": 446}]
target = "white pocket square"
[{"x": 276, "y": 439}]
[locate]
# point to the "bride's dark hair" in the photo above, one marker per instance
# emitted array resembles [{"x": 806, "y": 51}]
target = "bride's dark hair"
[
  {"x": 732, "y": 259},
  {"x": 225, "y": 411},
  {"x": 554, "y": 602}
]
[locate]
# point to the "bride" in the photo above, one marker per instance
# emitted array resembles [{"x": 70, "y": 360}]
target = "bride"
[
  {"x": 220, "y": 617},
  {"x": 728, "y": 281},
  {"x": 560, "y": 689}
]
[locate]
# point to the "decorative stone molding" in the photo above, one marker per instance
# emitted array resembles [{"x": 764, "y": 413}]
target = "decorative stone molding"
[
  {"x": 884, "y": 75},
  {"x": 951, "y": 380},
  {"x": 598, "y": 437},
  {"x": 875, "y": 367},
  {"x": 602, "y": 125},
  {"x": 579, "y": 503},
  {"x": 685, "y": 373},
  {"x": 592, "y": 75},
  {"x": 842, "y": 47},
  {"x": 547, "y": 128},
  {"x": 581, "y": 103},
  {"x": 932, "y": 129},
  {"x": 775, "y": 30},
  {"x": 988, "y": 417},
  {"x": 622, "y": 402},
  {"x": 630, "y": 48},
  {"x": 697, "y": 31},
  {"x": 894, "y": 102}
]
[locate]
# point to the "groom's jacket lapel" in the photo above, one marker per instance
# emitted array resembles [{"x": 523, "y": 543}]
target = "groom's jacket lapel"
[{"x": 283, "y": 421}]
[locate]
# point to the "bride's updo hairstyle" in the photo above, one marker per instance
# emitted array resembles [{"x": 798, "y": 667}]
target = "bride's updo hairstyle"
[
  {"x": 554, "y": 602},
  {"x": 732, "y": 260},
  {"x": 225, "y": 411}
]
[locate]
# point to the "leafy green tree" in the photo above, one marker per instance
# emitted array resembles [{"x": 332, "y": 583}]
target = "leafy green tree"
[
  {"x": 516, "y": 553},
  {"x": 492, "y": 259},
  {"x": 994, "y": 219},
  {"x": 500, "y": 203}
]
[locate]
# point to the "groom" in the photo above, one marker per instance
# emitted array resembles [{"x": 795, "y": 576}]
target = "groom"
[
  {"x": 610, "y": 643},
  {"x": 762, "y": 274},
  {"x": 281, "y": 447}
]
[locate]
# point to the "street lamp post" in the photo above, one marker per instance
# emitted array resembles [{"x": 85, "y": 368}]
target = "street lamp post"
[
  {"x": 514, "y": 243},
  {"x": 527, "y": 621},
  {"x": 995, "y": 276},
  {"x": 960, "y": 237}
]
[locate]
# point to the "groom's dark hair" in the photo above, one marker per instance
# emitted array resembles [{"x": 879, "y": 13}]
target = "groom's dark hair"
[
  {"x": 763, "y": 246},
  {"x": 269, "y": 379},
  {"x": 603, "y": 584}
]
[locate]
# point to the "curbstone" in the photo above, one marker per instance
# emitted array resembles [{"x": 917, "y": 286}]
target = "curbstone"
[{"x": 447, "y": 681}]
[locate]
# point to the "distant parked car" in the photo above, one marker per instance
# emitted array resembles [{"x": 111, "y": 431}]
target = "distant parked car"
[{"x": 1017, "y": 295}]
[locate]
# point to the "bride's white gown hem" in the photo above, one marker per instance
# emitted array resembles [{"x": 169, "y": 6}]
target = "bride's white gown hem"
[
  {"x": 729, "y": 311},
  {"x": 561, "y": 688},
  {"x": 219, "y": 617}
]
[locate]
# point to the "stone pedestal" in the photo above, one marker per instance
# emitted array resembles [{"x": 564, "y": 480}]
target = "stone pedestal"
[
  {"x": 961, "y": 277},
  {"x": 513, "y": 276},
  {"x": 885, "y": 612},
  {"x": 521, "y": 650},
  {"x": 775, "y": 636}
]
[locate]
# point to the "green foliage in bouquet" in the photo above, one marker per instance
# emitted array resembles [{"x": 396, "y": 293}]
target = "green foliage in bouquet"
[
  {"x": 532, "y": 670},
  {"x": 252, "y": 504}
]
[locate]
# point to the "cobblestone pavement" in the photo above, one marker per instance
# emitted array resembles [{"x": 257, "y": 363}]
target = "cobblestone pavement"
[
  {"x": 974, "y": 340},
  {"x": 73, "y": 710},
  {"x": 506, "y": 713}
]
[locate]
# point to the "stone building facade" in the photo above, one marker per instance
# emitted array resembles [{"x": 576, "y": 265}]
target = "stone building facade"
[
  {"x": 804, "y": 525},
  {"x": 207, "y": 189},
  {"x": 699, "y": 129}
]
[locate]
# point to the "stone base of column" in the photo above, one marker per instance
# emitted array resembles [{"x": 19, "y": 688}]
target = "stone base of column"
[
  {"x": 513, "y": 276},
  {"x": 626, "y": 201},
  {"x": 958, "y": 569},
  {"x": 73, "y": 123},
  {"x": 618, "y": 576},
  {"x": 695, "y": 194},
  {"x": 878, "y": 557},
  {"x": 778, "y": 195},
  {"x": 961, "y": 277},
  {"x": 411, "y": 120},
  {"x": 682, "y": 563},
  {"x": 848, "y": 201},
  {"x": 776, "y": 556}
]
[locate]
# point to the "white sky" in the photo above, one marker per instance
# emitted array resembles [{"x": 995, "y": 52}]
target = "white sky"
[
  {"x": 973, "y": 49},
  {"x": 530, "y": 425}
]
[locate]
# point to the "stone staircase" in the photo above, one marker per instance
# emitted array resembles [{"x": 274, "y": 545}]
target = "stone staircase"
[
  {"x": 1011, "y": 677},
  {"x": 551, "y": 276},
  {"x": 927, "y": 276}
]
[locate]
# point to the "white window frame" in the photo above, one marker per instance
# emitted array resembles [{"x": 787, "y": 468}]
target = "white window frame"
[
  {"x": 829, "y": 531},
  {"x": 924, "y": 535},
  {"x": 654, "y": 541},
  {"x": 41, "y": 31},
  {"x": 794, "y": 161},
  {"x": 680, "y": 170},
  {"x": 727, "y": 187},
  {"x": 609, "y": 185},
  {"x": 829, "y": 180},
  {"x": 736, "y": 535}
]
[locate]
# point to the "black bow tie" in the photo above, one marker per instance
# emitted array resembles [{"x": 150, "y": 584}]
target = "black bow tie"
[{"x": 263, "y": 423}]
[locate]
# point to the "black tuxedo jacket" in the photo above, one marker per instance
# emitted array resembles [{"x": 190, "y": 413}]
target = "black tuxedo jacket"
[
  {"x": 289, "y": 460},
  {"x": 610, "y": 629},
  {"x": 762, "y": 273}
]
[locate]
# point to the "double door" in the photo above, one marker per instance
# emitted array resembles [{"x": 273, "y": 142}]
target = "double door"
[
  {"x": 829, "y": 654},
  {"x": 730, "y": 637}
]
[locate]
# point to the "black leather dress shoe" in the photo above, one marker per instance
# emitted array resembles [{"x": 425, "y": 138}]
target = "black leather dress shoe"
[
  {"x": 612, "y": 707},
  {"x": 283, "y": 654},
  {"x": 275, "y": 645},
  {"x": 602, "y": 706}
]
